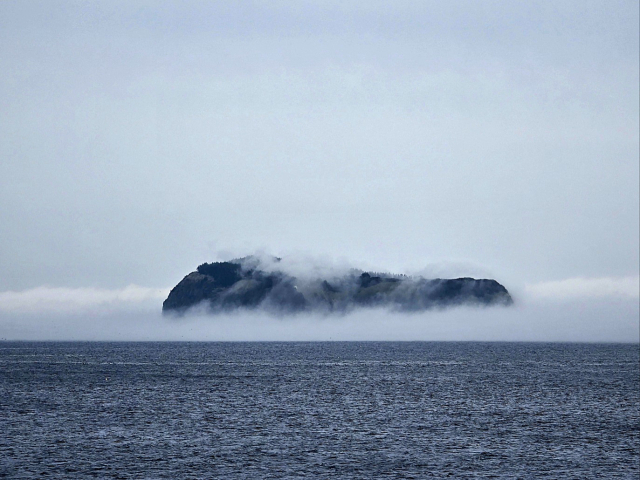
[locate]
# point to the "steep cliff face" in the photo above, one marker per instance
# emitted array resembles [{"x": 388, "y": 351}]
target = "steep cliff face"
[{"x": 224, "y": 286}]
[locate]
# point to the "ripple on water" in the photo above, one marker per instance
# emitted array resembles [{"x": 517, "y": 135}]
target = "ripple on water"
[{"x": 327, "y": 410}]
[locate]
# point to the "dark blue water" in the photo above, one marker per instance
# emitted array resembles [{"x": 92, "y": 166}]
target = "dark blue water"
[{"x": 319, "y": 410}]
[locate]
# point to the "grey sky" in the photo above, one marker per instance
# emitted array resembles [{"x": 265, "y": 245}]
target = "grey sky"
[{"x": 139, "y": 139}]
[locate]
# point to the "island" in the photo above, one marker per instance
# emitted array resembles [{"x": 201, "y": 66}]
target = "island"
[{"x": 244, "y": 283}]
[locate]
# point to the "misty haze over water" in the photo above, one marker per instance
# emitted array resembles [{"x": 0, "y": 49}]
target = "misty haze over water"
[{"x": 440, "y": 139}]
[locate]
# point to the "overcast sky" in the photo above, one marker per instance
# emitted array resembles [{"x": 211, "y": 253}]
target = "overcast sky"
[{"x": 139, "y": 139}]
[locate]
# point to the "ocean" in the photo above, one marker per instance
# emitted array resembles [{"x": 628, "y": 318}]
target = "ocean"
[{"x": 328, "y": 410}]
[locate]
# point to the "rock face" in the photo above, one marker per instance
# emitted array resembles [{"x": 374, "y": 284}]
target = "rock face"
[{"x": 242, "y": 283}]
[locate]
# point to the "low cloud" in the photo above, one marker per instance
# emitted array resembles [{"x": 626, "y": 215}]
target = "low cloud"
[
  {"x": 580, "y": 287},
  {"x": 574, "y": 310},
  {"x": 46, "y": 299},
  {"x": 592, "y": 320}
]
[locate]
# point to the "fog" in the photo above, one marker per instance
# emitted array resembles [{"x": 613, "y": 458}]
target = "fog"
[
  {"x": 576, "y": 316},
  {"x": 577, "y": 309},
  {"x": 577, "y": 322},
  {"x": 440, "y": 138}
]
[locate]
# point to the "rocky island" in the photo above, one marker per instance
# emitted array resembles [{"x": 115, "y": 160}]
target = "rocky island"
[{"x": 248, "y": 283}]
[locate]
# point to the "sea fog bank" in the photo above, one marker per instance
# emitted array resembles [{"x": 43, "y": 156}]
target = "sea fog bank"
[{"x": 540, "y": 320}]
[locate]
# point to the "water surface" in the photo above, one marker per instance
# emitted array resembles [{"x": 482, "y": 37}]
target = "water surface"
[{"x": 319, "y": 410}]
